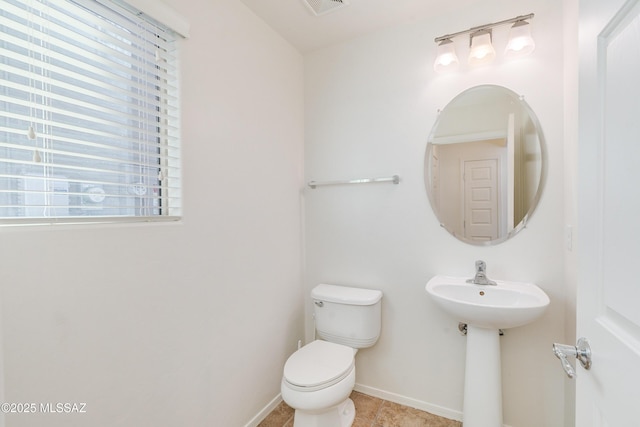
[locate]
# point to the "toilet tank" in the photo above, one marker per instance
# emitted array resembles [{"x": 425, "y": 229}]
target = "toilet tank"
[{"x": 346, "y": 315}]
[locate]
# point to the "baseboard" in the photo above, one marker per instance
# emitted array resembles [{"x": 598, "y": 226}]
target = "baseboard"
[
  {"x": 407, "y": 401},
  {"x": 265, "y": 411},
  {"x": 413, "y": 403}
]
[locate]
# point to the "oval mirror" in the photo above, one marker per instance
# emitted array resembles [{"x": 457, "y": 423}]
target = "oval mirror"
[{"x": 485, "y": 165}]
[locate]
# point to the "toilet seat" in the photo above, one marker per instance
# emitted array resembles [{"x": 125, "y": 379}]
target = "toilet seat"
[{"x": 318, "y": 365}]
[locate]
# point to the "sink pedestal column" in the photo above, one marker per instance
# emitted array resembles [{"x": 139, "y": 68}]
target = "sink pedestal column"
[{"x": 482, "y": 379}]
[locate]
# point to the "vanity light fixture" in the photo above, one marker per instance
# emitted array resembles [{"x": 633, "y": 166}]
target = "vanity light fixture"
[
  {"x": 482, "y": 51},
  {"x": 480, "y": 41},
  {"x": 446, "y": 59},
  {"x": 520, "y": 41}
]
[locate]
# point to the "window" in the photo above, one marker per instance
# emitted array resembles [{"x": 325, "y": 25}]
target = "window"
[{"x": 89, "y": 113}]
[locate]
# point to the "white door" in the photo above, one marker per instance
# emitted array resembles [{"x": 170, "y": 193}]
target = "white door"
[
  {"x": 481, "y": 199},
  {"x": 609, "y": 213}
]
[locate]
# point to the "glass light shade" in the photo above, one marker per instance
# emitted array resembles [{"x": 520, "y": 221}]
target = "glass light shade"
[
  {"x": 482, "y": 51},
  {"x": 446, "y": 58},
  {"x": 520, "y": 41}
]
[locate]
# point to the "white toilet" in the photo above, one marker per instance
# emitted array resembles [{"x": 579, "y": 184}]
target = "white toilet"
[{"x": 319, "y": 377}]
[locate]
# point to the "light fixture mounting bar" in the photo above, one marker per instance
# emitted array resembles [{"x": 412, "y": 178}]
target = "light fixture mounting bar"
[{"x": 484, "y": 27}]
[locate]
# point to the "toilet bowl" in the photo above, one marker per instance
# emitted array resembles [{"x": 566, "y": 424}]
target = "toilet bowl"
[
  {"x": 319, "y": 377},
  {"x": 317, "y": 382}
]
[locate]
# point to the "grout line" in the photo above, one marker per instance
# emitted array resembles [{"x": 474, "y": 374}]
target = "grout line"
[{"x": 375, "y": 419}]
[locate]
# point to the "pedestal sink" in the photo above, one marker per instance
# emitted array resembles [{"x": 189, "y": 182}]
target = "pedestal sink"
[{"x": 486, "y": 309}]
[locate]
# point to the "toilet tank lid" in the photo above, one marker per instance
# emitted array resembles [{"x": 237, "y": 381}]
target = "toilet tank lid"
[{"x": 346, "y": 294}]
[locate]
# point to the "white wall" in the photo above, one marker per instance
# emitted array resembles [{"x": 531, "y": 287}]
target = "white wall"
[
  {"x": 176, "y": 324},
  {"x": 369, "y": 107}
]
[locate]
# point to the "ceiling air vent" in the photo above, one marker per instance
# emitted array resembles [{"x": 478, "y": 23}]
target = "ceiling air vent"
[{"x": 320, "y": 7}]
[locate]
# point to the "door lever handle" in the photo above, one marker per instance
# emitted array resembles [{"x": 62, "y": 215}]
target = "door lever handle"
[{"x": 581, "y": 351}]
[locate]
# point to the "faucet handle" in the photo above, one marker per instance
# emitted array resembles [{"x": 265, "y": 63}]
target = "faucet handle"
[{"x": 481, "y": 275}]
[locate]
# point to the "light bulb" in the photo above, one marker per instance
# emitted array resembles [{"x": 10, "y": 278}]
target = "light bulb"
[
  {"x": 446, "y": 58},
  {"x": 520, "y": 41},
  {"x": 482, "y": 51}
]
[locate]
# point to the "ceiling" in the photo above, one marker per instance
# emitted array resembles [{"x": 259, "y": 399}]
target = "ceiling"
[{"x": 294, "y": 21}]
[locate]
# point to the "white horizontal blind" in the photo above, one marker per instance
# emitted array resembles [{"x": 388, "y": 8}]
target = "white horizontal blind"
[{"x": 89, "y": 113}]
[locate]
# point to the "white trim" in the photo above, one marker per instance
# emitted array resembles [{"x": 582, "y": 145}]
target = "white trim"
[
  {"x": 470, "y": 137},
  {"x": 163, "y": 13},
  {"x": 265, "y": 411},
  {"x": 413, "y": 403},
  {"x": 18, "y": 223},
  {"x": 408, "y": 401}
]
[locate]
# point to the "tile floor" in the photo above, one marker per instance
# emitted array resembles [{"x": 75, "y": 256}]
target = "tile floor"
[{"x": 370, "y": 412}]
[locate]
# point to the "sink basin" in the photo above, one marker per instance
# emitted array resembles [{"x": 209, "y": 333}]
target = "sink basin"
[{"x": 506, "y": 305}]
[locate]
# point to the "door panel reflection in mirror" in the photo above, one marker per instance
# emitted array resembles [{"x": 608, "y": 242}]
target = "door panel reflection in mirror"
[{"x": 485, "y": 165}]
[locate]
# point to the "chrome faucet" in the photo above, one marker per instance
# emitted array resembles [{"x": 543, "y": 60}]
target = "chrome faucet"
[{"x": 481, "y": 275}]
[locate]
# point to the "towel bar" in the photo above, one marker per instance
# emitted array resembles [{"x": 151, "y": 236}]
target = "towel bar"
[{"x": 395, "y": 179}]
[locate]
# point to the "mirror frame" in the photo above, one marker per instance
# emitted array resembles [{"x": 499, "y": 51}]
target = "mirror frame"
[{"x": 543, "y": 166}]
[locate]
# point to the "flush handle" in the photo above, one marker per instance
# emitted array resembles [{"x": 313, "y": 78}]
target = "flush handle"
[
  {"x": 319, "y": 303},
  {"x": 581, "y": 351}
]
